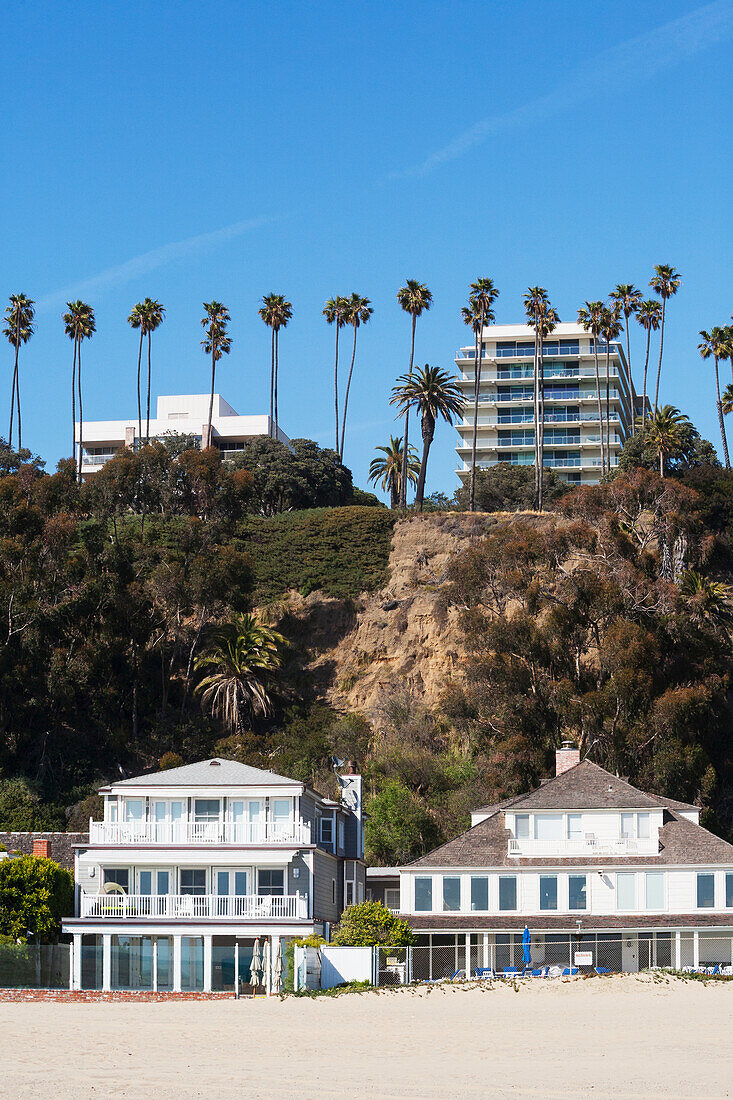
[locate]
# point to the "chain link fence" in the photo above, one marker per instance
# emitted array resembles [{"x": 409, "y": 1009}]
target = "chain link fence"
[{"x": 35, "y": 966}]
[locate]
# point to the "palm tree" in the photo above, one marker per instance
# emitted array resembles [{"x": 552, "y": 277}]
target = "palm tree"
[
  {"x": 708, "y": 601},
  {"x": 590, "y": 316},
  {"x": 716, "y": 344},
  {"x": 388, "y": 470},
  {"x": 241, "y": 661},
  {"x": 414, "y": 297},
  {"x": 665, "y": 282},
  {"x": 649, "y": 316},
  {"x": 478, "y": 313},
  {"x": 335, "y": 313},
  {"x": 146, "y": 316},
  {"x": 358, "y": 312},
  {"x": 610, "y": 330},
  {"x": 544, "y": 319},
  {"x": 275, "y": 311},
  {"x": 19, "y": 329},
  {"x": 79, "y": 325},
  {"x": 727, "y": 399},
  {"x": 433, "y": 393},
  {"x": 628, "y": 298},
  {"x": 216, "y": 343},
  {"x": 669, "y": 433}
]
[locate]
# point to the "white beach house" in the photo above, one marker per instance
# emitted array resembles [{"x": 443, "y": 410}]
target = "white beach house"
[
  {"x": 600, "y": 873},
  {"x": 192, "y": 866}
]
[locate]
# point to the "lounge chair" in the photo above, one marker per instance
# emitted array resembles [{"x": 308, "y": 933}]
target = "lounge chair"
[
  {"x": 511, "y": 971},
  {"x": 570, "y": 971},
  {"x": 541, "y": 972},
  {"x": 602, "y": 969}
]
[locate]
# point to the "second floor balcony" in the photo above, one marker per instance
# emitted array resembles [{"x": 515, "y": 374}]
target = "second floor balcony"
[
  {"x": 195, "y": 906},
  {"x": 588, "y": 845},
  {"x": 290, "y": 832}
]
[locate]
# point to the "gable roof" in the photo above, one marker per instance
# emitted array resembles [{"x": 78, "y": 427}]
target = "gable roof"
[
  {"x": 208, "y": 773},
  {"x": 587, "y": 786}
]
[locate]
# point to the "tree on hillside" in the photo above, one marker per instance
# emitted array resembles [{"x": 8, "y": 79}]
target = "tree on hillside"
[
  {"x": 649, "y": 316},
  {"x": 668, "y": 435},
  {"x": 146, "y": 316},
  {"x": 19, "y": 328},
  {"x": 240, "y": 661},
  {"x": 302, "y": 475},
  {"x": 433, "y": 394},
  {"x": 79, "y": 325},
  {"x": 358, "y": 312},
  {"x": 543, "y": 319},
  {"x": 414, "y": 298},
  {"x": 665, "y": 282},
  {"x": 335, "y": 311},
  {"x": 387, "y": 470},
  {"x": 276, "y": 311},
  {"x": 216, "y": 343},
  {"x": 506, "y": 487},
  {"x": 716, "y": 344},
  {"x": 478, "y": 313}
]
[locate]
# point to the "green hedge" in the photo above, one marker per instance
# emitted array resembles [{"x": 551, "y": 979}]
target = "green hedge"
[{"x": 340, "y": 551}]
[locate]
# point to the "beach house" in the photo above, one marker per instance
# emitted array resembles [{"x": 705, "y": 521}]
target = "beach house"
[
  {"x": 196, "y": 871},
  {"x": 585, "y": 871}
]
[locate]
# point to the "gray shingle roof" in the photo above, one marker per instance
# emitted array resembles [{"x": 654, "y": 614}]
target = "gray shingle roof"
[
  {"x": 547, "y": 922},
  {"x": 208, "y": 773}
]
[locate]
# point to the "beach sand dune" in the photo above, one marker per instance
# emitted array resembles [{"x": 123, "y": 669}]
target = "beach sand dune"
[{"x": 628, "y": 1037}]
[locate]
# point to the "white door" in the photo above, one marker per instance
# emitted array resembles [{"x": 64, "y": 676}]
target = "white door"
[
  {"x": 238, "y": 821},
  {"x": 630, "y": 954},
  {"x": 254, "y": 810}
]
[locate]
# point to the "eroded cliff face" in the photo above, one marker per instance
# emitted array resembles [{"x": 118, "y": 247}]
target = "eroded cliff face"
[{"x": 401, "y": 637}]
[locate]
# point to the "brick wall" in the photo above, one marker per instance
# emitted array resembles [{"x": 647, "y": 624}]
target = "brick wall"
[
  {"x": 59, "y": 845},
  {"x": 99, "y": 995}
]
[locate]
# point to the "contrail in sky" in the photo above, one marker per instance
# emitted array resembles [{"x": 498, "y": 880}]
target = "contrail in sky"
[
  {"x": 633, "y": 61},
  {"x": 147, "y": 261}
]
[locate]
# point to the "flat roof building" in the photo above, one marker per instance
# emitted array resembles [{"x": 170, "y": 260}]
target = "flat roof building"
[
  {"x": 506, "y": 422},
  {"x": 179, "y": 414}
]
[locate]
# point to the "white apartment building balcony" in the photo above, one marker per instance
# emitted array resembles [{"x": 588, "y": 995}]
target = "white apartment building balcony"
[
  {"x": 265, "y": 907},
  {"x": 285, "y": 832}
]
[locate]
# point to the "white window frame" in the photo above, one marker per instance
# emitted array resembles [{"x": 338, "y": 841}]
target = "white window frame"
[
  {"x": 655, "y": 908},
  {"x": 635, "y": 906},
  {"x": 526, "y": 819},
  {"x": 574, "y": 835},
  {"x": 431, "y": 909},
  {"x": 549, "y": 818},
  {"x": 392, "y": 897}
]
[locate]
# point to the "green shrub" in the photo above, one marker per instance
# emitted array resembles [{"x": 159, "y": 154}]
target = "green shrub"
[
  {"x": 34, "y": 895},
  {"x": 369, "y": 924}
]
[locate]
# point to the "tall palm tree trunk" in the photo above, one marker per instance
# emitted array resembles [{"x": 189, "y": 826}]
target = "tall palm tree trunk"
[
  {"x": 600, "y": 401},
  {"x": 403, "y": 483},
  {"x": 147, "y": 410},
  {"x": 336, "y": 387},
  {"x": 631, "y": 377},
  {"x": 73, "y": 408},
  {"x": 81, "y": 412},
  {"x": 209, "y": 440},
  {"x": 17, "y": 398},
  {"x": 477, "y": 364},
  {"x": 346, "y": 396},
  {"x": 608, "y": 405},
  {"x": 646, "y": 365},
  {"x": 277, "y": 367},
  {"x": 721, "y": 419},
  {"x": 272, "y": 382},
  {"x": 428, "y": 432},
  {"x": 661, "y": 348},
  {"x": 139, "y": 403},
  {"x": 541, "y": 425},
  {"x": 12, "y": 395}
]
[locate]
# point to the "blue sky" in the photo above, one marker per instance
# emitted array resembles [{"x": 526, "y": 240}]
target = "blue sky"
[{"x": 191, "y": 151}]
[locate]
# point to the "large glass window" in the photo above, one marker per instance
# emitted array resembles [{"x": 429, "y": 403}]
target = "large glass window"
[
  {"x": 642, "y": 826},
  {"x": 480, "y": 893},
  {"x": 118, "y": 875},
  {"x": 192, "y": 962},
  {"x": 575, "y": 826},
  {"x": 193, "y": 881},
  {"x": 548, "y": 891},
  {"x": 627, "y": 826},
  {"x": 521, "y": 826},
  {"x": 271, "y": 880},
  {"x": 134, "y": 809},
  {"x": 705, "y": 891},
  {"x": 145, "y": 883},
  {"x": 625, "y": 891},
  {"x": 423, "y": 895},
  {"x": 577, "y": 892},
  {"x": 451, "y": 894},
  {"x": 655, "y": 890},
  {"x": 280, "y": 813},
  {"x": 507, "y": 892},
  {"x": 206, "y": 809},
  {"x": 729, "y": 890},
  {"x": 548, "y": 826}
]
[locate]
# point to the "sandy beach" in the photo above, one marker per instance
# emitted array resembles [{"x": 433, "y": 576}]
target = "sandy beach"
[{"x": 621, "y": 1037}]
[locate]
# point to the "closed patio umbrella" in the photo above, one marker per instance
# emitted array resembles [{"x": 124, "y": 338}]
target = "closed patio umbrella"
[
  {"x": 526, "y": 942},
  {"x": 255, "y": 969},
  {"x": 278, "y": 967}
]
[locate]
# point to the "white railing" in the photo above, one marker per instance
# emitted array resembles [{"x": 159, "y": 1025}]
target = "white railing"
[
  {"x": 584, "y": 846},
  {"x": 199, "y": 832},
  {"x": 192, "y": 906}
]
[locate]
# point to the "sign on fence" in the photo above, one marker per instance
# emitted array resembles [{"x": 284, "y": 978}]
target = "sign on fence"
[{"x": 584, "y": 958}]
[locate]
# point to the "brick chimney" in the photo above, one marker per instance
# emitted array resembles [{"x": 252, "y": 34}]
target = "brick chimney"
[
  {"x": 566, "y": 757},
  {"x": 41, "y": 847}
]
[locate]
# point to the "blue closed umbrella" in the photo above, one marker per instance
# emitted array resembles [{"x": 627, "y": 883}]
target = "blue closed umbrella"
[{"x": 526, "y": 953}]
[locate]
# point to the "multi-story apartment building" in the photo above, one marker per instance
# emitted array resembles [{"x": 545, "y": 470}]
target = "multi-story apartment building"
[
  {"x": 182, "y": 414},
  {"x": 190, "y": 867},
  {"x": 597, "y": 872},
  {"x": 572, "y": 431}
]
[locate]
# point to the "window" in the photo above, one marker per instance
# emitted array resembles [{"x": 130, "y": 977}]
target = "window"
[
  {"x": 280, "y": 813},
  {"x": 111, "y": 805},
  {"x": 423, "y": 895},
  {"x": 548, "y": 891},
  {"x": 705, "y": 891},
  {"x": 134, "y": 809},
  {"x": 271, "y": 881},
  {"x": 119, "y": 875},
  {"x": 392, "y": 898},
  {"x": 342, "y": 834},
  {"x": 642, "y": 826},
  {"x": 575, "y": 826},
  {"x": 206, "y": 809},
  {"x": 627, "y": 826},
  {"x": 577, "y": 892},
  {"x": 625, "y": 891},
  {"x": 193, "y": 882},
  {"x": 729, "y": 890},
  {"x": 548, "y": 827},
  {"x": 507, "y": 892},
  {"x": 163, "y": 882},
  {"x": 480, "y": 894},
  {"x": 451, "y": 895},
  {"x": 145, "y": 883},
  {"x": 654, "y": 890},
  {"x": 327, "y": 831},
  {"x": 521, "y": 826}
]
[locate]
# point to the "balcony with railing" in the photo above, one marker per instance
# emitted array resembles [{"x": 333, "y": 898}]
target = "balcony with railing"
[
  {"x": 195, "y": 906},
  {"x": 290, "y": 832},
  {"x": 588, "y": 845}
]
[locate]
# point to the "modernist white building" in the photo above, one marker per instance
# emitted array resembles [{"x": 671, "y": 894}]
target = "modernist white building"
[
  {"x": 600, "y": 873},
  {"x": 506, "y": 425},
  {"x": 191, "y": 866},
  {"x": 182, "y": 414}
]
